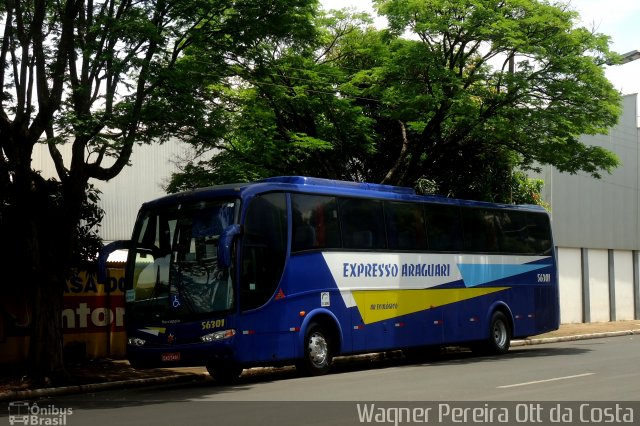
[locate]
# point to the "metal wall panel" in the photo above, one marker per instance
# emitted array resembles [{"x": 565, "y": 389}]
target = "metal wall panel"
[
  {"x": 600, "y": 213},
  {"x": 151, "y": 166},
  {"x": 121, "y": 197}
]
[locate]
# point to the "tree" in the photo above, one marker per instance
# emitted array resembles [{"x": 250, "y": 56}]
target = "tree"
[
  {"x": 95, "y": 74},
  {"x": 456, "y": 92},
  {"x": 282, "y": 115},
  {"x": 491, "y": 85}
]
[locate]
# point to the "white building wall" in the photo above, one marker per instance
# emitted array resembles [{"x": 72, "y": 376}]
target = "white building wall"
[
  {"x": 570, "y": 275},
  {"x": 599, "y": 285},
  {"x": 624, "y": 296}
]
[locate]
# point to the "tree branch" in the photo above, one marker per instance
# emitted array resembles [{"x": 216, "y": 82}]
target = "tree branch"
[
  {"x": 56, "y": 155},
  {"x": 392, "y": 174}
]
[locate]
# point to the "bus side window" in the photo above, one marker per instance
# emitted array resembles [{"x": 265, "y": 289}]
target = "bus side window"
[
  {"x": 539, "y": 233},
  {"x": 514, "y": 226},
  {"x": 443, "y": 227},
  {"x": 362, "y": 223},
  {"x": 315, "y": 222},
  {"x": 525, "y": 232},
  {"x": 264, "y": 247},
  {"x": 481, "y": 231},
  {"x": 405, "y": 226}
]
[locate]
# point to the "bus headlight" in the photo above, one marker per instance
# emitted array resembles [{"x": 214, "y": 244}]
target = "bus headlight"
[
  {"x": 136, "y": 341},
  {"x": 218, "y": 335}
]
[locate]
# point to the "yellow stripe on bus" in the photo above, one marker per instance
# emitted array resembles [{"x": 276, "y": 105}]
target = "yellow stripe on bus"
[{"x": 380, "y": 305}]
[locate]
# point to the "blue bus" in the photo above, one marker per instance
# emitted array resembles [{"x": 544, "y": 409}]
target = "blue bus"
[{"x": 298, "y": 270}]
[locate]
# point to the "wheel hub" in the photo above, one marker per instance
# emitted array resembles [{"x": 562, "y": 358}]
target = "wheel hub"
[
  {"x": 500, "y": 333},
  {"x": 318, "y": 349}
]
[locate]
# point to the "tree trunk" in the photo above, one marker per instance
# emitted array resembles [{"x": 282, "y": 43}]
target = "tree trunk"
[
  {"x": 45, "y": 257},
  {"x": 46, "y": 346},
  {"x": 50, "y": 220}
]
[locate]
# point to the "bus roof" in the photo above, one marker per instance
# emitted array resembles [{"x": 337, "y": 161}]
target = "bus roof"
[
  {"x": 313, "y": 185},
  {"x": 329, "y": 183}
]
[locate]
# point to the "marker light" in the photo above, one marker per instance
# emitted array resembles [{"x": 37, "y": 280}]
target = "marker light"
[
  {"x": 136, "y": 341},
  {"x": 218, "y": 335}
]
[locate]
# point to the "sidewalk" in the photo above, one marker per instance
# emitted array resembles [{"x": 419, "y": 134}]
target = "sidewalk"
[{"x": 93, "y": 376}]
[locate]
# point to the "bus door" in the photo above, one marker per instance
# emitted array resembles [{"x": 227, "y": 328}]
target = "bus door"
[{"x": 265, "y": 336}]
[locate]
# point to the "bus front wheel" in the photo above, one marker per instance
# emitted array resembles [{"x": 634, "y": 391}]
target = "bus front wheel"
[{"x": 318, "y": 351}]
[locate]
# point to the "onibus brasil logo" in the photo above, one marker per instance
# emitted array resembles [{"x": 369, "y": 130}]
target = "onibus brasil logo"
[{"x": 25, "y": 413}]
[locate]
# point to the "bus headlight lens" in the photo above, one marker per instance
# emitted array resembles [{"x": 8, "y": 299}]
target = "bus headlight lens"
[
  {"x": 136, "y": 341},
  {"x": 218, "y": 335}
]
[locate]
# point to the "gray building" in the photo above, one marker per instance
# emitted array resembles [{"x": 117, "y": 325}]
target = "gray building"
[{"x": 597, "y": 229}]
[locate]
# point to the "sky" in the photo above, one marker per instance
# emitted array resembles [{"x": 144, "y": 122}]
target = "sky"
[{"x": 619, "y": 19}]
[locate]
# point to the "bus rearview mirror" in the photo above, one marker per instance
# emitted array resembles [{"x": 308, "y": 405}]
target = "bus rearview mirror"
[{"x": 225, "y": 243}]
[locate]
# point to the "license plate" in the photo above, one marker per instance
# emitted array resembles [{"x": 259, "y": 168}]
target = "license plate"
[{"x": 171, "y": 356}]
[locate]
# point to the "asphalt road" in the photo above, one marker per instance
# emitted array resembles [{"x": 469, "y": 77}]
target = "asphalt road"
[{"x": 564, "y": 375}]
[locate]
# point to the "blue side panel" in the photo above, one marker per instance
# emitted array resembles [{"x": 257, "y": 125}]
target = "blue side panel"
[
  {"x": 519, "y": 291},
  {"x": 478, "y": 274},
  {"x": 417, "y": 329},
  {"x": 307, "y": 279},
  {"x": 266, "y": 336},
  {"x": 272, "y": 333}
]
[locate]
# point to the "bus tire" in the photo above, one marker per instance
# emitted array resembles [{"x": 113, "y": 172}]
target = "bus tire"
[
  {"x": 499, "y": 335},
  {"x": 224, "y": 373},
  {"x": 318, "y": 351}
]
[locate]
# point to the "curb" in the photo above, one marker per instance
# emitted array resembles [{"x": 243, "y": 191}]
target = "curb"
[
  {"x": 180, "y": 378},
  {"x": 96, "y": 387},
  {"x": 528, "y": 342}
]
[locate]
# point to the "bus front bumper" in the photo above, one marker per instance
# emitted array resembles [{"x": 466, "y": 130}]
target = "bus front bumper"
[{"x": 181, "y": 355}]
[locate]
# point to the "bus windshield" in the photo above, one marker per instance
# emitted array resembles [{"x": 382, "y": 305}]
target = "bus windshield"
[{"x": 173, "y": 266}]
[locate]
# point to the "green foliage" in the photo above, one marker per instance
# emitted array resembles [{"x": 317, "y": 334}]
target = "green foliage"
[
  {"x": 87, "y": 229},
  {"x": 471, "y": 110},
  {"x": 282, "y": 116},
  {"x": 526, "y": 190},
  {"x": 433, "y": 98}
]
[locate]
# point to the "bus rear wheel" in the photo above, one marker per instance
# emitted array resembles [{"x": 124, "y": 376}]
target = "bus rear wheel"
[
  {"x": 224, "y": 373},
  {"x": 499, "y": 335},
  {"x": 318, "y": 351}
]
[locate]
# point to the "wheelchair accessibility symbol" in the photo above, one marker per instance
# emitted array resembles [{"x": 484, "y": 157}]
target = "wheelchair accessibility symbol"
[{"x": 175, "y": 301}]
